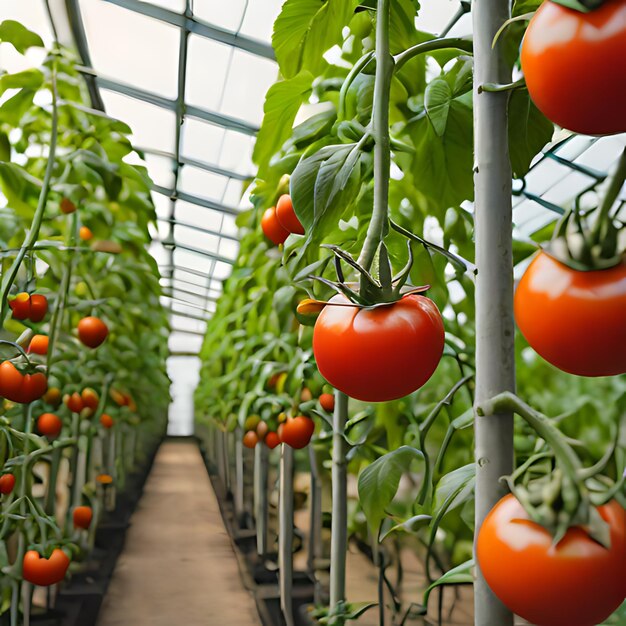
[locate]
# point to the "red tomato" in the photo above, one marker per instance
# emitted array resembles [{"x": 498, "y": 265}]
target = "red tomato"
[
  {"x": 92, "y": 331},
  {"x": 74, "y": 402},
  {"x": 38, "y": 307},
  {"x": 106, "y": 421},
  {"x": 327, "y": 402},
  {"x": 67, "y": 206},
  {"x": 576, "y": 583},
  {"x": 21, "y": 388},
  {"x": 7, "y": 482},
  {"x": 90, "y": 398},
  {"x": 49, "y": 424},
  {"x": 272, "y": 440},
  {"x": 574, "y": 64},
  {"x": 297, "y": 431},
  {"x": 82, "y": 516},
  {"x": 574, "y": 320},
  {"x": 261, "y": 430},
  {"x": 45, "y": 572},
  {"x": 287, "y": 217},
  {"x": 250, "y": 439},
  {"x": 271, "y": 227},
  {"x": 20, "y": 306},
  {"x": 39, "y": 344},
  {"x": 379, "y": 354},
  {"x": 34, "y": 386}
]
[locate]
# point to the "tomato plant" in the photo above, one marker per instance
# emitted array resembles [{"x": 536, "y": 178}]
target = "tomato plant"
[
  {"x": 569, "y": 58},
  {"x": 45, "y": 572},
  {"x": 92, "y": 331},
  {"x": 382, "y": 353},
  {"x": 82, "y": 516},
  {"x": 574, "y": 319},
  {"x": 578, "y": 582}
]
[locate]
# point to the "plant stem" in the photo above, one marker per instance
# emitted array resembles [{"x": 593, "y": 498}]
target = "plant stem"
[
  {"x": 451, "y": 43},
  {"x": 380, "y": 132},
  {"x": 285, "y": 533},
  {"x": 610, "y": 196},
  {"x": 495, "y": 329},
  {"x": 358, "y": 67},
  {"x": 339, "y": 529},
  {"x": 33, "y": 233}
]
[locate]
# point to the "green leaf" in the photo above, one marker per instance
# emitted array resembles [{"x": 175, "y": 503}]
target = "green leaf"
[
  {"x": 459, "y": 575},
  {"x": 378, "y": 482},
  {"x": 12, "y": 111},
  {"x": 323, "y": 186},
  {"x": 454, "y": 489},
  {"x": 21, "y": 188},
  {"x": 437, "y": 103},
  {"x": 520, "y": 7},
  {"x": 529, "y": 131},
  {"x": 281, "y": 106},
  {"x": 410, "y": 526},
  {"x": 32, "y": 78},
  {"x": 5, "y": 147},
  {"x": 305, "y": 30},
  {"x": 19, "y": 36}
]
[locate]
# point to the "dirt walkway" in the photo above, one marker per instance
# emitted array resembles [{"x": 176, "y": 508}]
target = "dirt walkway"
[{"x": 178, "y": 566}]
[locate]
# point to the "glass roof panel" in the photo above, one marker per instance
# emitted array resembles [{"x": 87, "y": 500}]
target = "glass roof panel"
[
  {"x": 196, "y": 238},
  {"x": 202, "y": 183},
  {"x": 259, "y": 18},
  {"x": 201, "y": 140},
  {"x": 144, "y": 51},
  {"x": 226, "y": 15},
  {"x": 173, "y": 5},
  {"x": 198, "y": 216}
]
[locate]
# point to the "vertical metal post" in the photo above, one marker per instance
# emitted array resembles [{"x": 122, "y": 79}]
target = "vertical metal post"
[
  {"x": 315, "y": 531},
  {"x": 261, "y": 454},
  {"x": 285, "y": 533},
  {"x": 495, "y": 330},
  {"x": 339, "y": 528},
  {"x": 238, "y": 495}
]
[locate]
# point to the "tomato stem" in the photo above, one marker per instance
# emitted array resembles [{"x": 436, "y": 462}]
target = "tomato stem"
[
  {"x": 382, "y": 153},
  {"x": 612, "y": 192},
  {"x": 449, "y": 43}
]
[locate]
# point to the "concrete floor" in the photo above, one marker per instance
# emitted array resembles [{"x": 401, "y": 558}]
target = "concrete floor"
[{"x": 177, "y": 567}]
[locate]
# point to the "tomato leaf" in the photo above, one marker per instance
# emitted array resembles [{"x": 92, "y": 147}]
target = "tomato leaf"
[
  {"x": 281, "y": 106},
  {"x": 459, "y": 575},
  {"x": 305, "y": 29},
  {"x": 31, "y": 78},
  {"x": 19, "y": 36},
  {"x": 437, "y": 103},
  {"x": 529, "y": 131},
  {"x": 378, "y": 482}
]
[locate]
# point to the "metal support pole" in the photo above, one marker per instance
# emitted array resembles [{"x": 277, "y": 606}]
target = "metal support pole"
[
  {"x": 315, "y": 531},
  {"x": 285, "y": 534},
  {"x": 261, "y": 454},
  {"x": 239, "y": 469},
  {"x": 495, "y": 330}
]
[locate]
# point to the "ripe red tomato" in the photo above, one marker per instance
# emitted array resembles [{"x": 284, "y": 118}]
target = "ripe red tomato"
[
  {"x": 82, "y": 516},
  {"x": 379, "y": 354},
  {"x": 121, "y": 399},
  {"x": 7, "y": 482},
  {"x": 272, "y": 440},
  {"x": 67, "y": 206},
  {"x": 17, "y": 387},
  {"x": 90, "y": 398},
  {"x": 106, "y": 421},
  {"x": 327, "y": 402},
  {"x": 271, "y": 227},
  {"x": 576, "y": 583},
  {"x": 38, "y": 307},
  {"x": 574, "y": 64},
  {"x": 297, "y": 431},
  {"x": 42, "y": 571},
  {"x": 49, "y": 424},
  {"x": 250, "y": 439},
  {"x": 74, "y": 402},
  {"x": 575, "y": 320},
  {"x": 92, "y": 331},
  {"x": 20, "y": 306},
  {"x": 39, "y": 344},
  {"x": 287, "y": 217}
]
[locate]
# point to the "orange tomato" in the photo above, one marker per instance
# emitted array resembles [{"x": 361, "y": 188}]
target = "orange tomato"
[
  {"x": 49, "y": 424},
  {"x": 39, "y": 344},
  {"x": 92, "y": 331},
  {"x": 287, "y": 217},
  {"x": 106, "y": 420},
  {"x": 90, "y": 398},
  {"x": 82, "y": 516},
  {"x": 74, "y": 402},
  {"x": 250, "y": 439},
  {"x": 85, "y": 233},
  {"x": 271, "y": 227},
  {"x": 327, "y": 402},
  {"x": 42, "y": 571},
  {"x": 297, "y": 431},
  {"x": 38, "y": 307}
]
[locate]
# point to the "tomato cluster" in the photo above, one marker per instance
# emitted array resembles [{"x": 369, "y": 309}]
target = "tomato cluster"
[
  {"x": 18, "y": 387},
  {"x": 293, "y": 431},
  {"x": 29, "y": 307},
  {"x": 280, "y": 221}
]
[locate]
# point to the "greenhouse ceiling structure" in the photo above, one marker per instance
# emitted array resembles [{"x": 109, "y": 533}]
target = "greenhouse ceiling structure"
[{"x": 190, "y": 77}]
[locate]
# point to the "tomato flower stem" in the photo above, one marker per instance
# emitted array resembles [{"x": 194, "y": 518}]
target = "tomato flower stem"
[
  {"x": 357, "y": 68},
  {"x": 615, "y": 186},
  {"x": 450, "y": 43}
]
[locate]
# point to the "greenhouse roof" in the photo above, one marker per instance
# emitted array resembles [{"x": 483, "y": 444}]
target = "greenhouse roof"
[{"x": 189, "y": 77}]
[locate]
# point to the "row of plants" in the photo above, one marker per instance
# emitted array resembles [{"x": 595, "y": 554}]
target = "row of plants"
[
  {"x": 356, "y": 277},
  {"x": 84, "y": 337}
]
